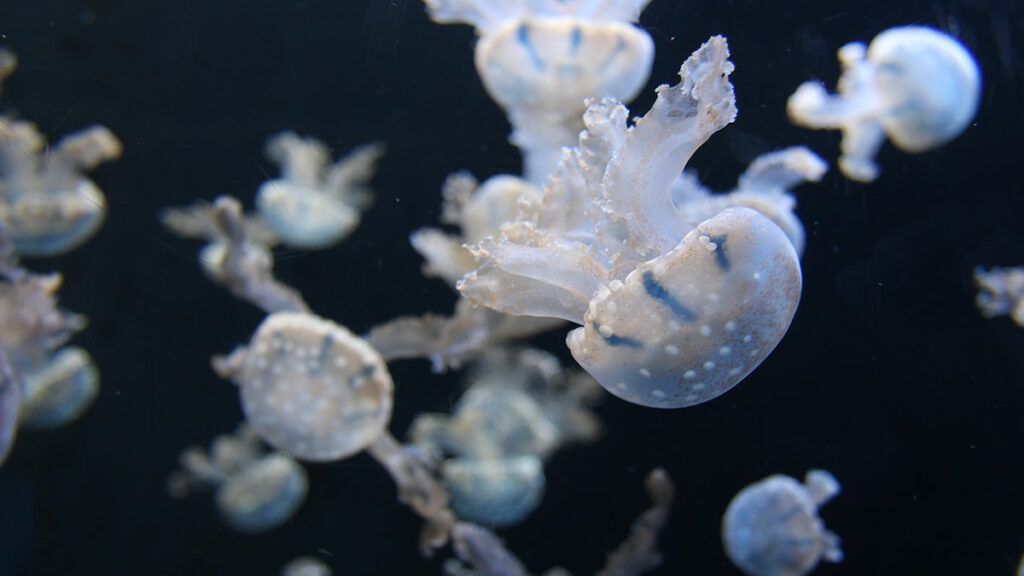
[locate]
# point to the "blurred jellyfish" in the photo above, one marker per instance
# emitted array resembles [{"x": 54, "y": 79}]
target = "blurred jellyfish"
[
  {"x": 47, "y": 206},
  {"x": 42, "y": 385},
  {"x": 255, "y": 490},
  {"x": 541, "y": 60},
  {"x": 771, "y": 528},
  {"x": 314, "y": 205},
  {"x": 1001, "y": 293},
  {"x": 519, "y": 407},
  {"x": 495, "y": 493},
  {"x": 58, "y": 390},
  {"x": 305, "y": 566},
  {"x": 918, "y": 86},
  {"x": 674, "y": 312}
]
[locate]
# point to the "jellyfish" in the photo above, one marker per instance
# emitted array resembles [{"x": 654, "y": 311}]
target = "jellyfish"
[
  {"x": 255, "y": 490},
  {"x": 310, "y": 387},
  {"x": 238, "y": 252},
  {"x": 771, "y": 528},
  {"x": 498, "y": 492},
  {"x": 674, "y": 312},
  {"x": 313, "y": 390},
  {"x": 42, "y": 383},
  {"x": 47, "y": 207},
  {"x": 916, "y": 85},
  {"x": 520, "y": 406},
  {"x": 57, "y": 389},
  {"x": 1001, "y": 292},
  {"x": 305, "y": 566},
  {"x": 313, "y": 205},
  {"x": 540, "y": 60}
]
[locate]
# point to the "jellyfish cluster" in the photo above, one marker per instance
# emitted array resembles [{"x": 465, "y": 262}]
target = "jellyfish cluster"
[
  {"x": 676, "y": 293},
  {"x": 48, "y": 207}
]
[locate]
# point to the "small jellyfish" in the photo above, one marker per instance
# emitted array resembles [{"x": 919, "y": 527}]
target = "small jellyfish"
[
  {"x": 237, "y": 255},
  {"x": 58, "y": 390},
  {"x": 310, "y": 387},
  {"x": 314, "y": 205},
  {"x": 771, "y": 528},
  {"x": 520, "y": 406},
  {"x": 918, "y": 86},
  {"x": 255, "y": 491},
  {"x": 496, "y": 493}
]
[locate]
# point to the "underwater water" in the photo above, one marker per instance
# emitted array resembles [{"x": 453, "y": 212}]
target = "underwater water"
[{"x": 889, "y": 377}]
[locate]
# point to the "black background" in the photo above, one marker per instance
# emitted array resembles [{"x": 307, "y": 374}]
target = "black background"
[{"x": 888, "y": 377}]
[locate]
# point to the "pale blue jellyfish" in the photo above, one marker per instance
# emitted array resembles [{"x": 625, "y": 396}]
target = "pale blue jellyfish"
[
  {"x": 313, "y": 204},
  {"x": 771, "y": 528},
  {"x": 916, "y": 85},
  {"x": 311, "y": 388},
  {"x": 255, "y": 490}
]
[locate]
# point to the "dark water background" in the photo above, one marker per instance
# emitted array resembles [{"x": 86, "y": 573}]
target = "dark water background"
[{"x": 888, "y": 377}]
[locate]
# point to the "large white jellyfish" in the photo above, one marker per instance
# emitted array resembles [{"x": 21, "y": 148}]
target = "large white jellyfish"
[
  {"x": 771, "y": 528},
  {"x": 674, "y": 311},
  {"x": 918, "y": 86},
  {"x": 540, "y": 60}
]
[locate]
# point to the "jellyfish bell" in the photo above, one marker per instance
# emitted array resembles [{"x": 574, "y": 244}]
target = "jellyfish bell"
[
  {"x": 303, "y": 216},
  {"x": 58, "y": 389},
  {"x": 55, "y": 222},
  {"x": 556, "y": 63},
  {"x": 688, "y": 325},
  {"x": 311, "y": 388},
  {"x": 264, "y": 494},
  {"x": 496, "y": 493},
  {"x": 928, "y": 83},
  {"x": 771, "y": 527}
]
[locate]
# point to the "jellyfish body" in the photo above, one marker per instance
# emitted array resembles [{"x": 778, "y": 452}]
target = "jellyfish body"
[
  {"x": 771, "y": 528},
  {"x": 311, "y": 388},
  {"x": 687, "y": 326},
  {"x": 918, "y": 86},
  {"x": 255, "y": 490},
  {"x": 314, "y": 205},
  {"x": 47, "y": 207},
  {"x": 495, "y": 493},
  {"x": 263, "y": 495},
  {"x": 59, "y": 390}
]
